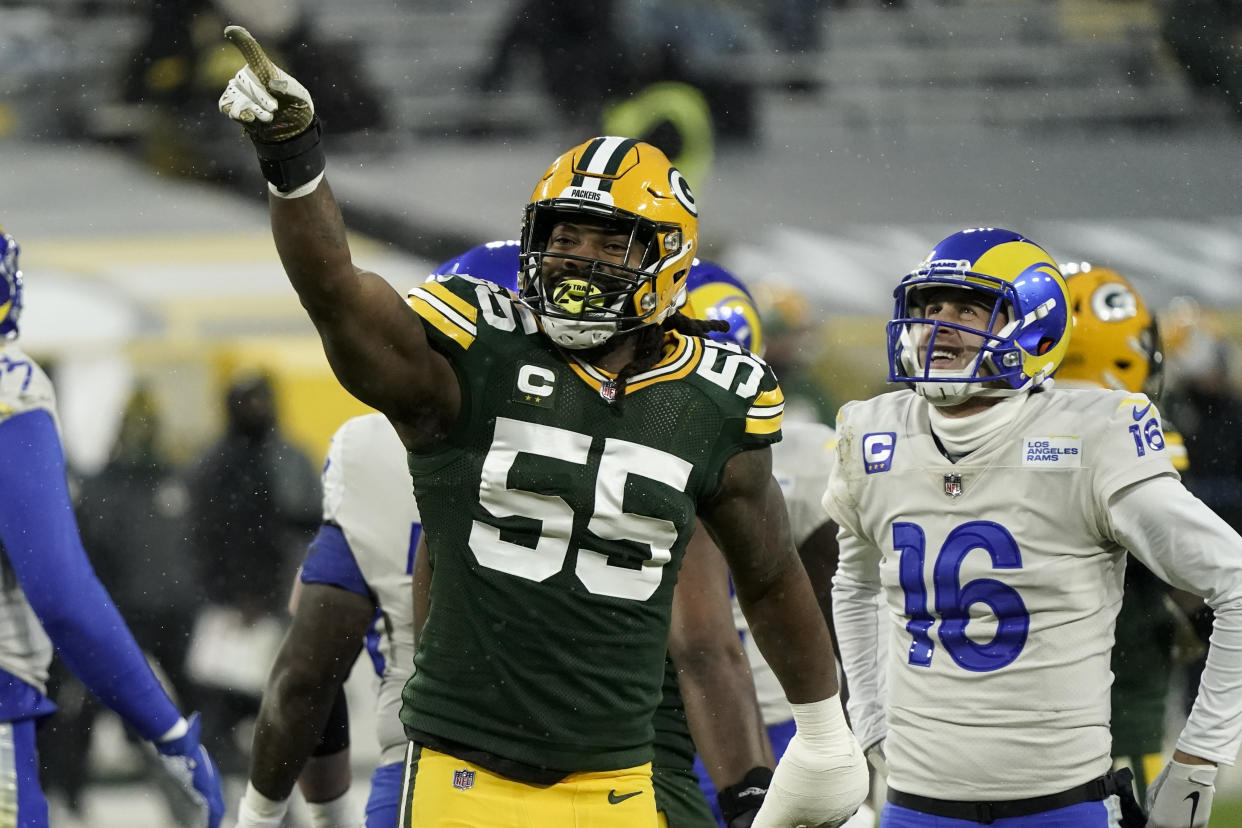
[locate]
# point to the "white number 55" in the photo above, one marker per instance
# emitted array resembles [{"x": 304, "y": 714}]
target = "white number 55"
[{"x": 620, "y": 459}]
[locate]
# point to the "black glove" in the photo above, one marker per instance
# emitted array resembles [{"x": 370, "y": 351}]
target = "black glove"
[{"x": 739, "y": 803}]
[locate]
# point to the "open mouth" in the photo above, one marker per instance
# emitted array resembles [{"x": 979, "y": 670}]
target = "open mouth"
[{"x": 944, "y": 357}]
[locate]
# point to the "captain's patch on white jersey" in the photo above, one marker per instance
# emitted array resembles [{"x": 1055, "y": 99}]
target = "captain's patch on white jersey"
[
  {"x": 1064, "y": 452},
  {"x": 877, "y": 449}
]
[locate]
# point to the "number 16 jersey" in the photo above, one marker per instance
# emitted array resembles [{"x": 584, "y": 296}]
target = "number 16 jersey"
[
  {"x": 556, "y": 521},
  {"x": 1002, "y": 582}
]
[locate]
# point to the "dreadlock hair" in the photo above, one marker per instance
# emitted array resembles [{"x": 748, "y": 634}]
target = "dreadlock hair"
[{"x": 649, "y": 344}]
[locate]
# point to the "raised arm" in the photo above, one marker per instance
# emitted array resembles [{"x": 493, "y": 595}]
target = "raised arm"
[
  {"x": 374, "y": 342},
  {"x": 822, "y": 777}
]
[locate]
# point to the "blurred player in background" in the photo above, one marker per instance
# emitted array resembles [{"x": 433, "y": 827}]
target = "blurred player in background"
[
  {"x": 800, "y": 463},
  {"x": 561, "y": 446},
  {"x": 1116, "y": 344},
  {"x": 993, "y": 514},
  {"x": 357, "y": 577},
  {"x": 49, "y": 596}
]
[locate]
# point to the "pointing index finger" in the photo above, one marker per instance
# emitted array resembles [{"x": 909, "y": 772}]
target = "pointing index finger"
[{"x": 255, "y": 57}]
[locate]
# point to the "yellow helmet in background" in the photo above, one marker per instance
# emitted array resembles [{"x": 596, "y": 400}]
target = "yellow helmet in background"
[
  {"x": 630, "y": 187},
  {"x": 1115, "y": 343}
]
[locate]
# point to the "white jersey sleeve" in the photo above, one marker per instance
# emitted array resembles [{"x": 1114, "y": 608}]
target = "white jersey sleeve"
[
  {"x": 369, "y": 495},
  {"x": 1188, "y": 545},
  {"x": 25, "y": 650}
]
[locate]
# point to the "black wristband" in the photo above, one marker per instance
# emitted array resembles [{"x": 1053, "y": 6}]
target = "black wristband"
[
  {"x": 335, "y": 736},
  {"x": 746, "y": 796},
  {"x": 290, "y": 164}
]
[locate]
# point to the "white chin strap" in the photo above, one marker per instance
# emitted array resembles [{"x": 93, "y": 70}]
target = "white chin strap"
[
  {"x": 577, "y": 334},
  {"x": 946, "y": 393}
]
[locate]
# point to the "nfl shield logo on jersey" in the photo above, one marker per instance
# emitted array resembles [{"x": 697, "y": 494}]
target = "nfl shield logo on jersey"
[
  {"x": 608, "y": 390},
  {"x": 953, "y": 485},
  {"x": 463, "y": 779}
]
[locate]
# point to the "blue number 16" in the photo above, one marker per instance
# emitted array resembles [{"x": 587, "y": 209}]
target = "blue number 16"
[{"x": 953, "y": 600}]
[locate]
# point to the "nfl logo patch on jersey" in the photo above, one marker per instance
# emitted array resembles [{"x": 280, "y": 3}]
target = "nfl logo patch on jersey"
[
  {"x": 463, "y": 779},
  {"x": 953, "y": 485}
]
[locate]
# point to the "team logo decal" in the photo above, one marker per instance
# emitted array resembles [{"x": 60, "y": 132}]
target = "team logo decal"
[
  {"x": 535, "y": 385},
  {"x": 463, "y": 780},
  {"x": 953, "y": 485},
  {"x": 877, "y": 448},
  {"x": 681, "y": 189}
]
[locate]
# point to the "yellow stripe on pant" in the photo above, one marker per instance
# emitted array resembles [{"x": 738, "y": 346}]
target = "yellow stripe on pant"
[{"x": 441, "y": 791}]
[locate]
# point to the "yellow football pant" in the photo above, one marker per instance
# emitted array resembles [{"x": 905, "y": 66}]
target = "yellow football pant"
[{"x": 441, "y": 791}]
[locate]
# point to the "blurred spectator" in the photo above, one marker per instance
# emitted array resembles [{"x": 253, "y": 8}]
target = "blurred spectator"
[
  {"x": 571, "y": 40},
  {"x": 181, "y": 63},
  {"x": 612, "y": 49},
  {"x": 132, "y": 517},
  {"x": 255, "y": 502},
  {"x": 1203, "y": 399},
  {"x": 1206, "y": 36}
]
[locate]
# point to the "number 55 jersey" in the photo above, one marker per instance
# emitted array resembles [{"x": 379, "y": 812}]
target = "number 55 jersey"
[
  {"x": 1002, "y": 581},
  {"x": 556, "y": 519}
]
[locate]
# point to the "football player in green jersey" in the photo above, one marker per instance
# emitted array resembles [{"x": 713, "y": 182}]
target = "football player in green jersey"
[
  {"x": 1116, "y": 344},
  {"x": 561, "y": 445}
]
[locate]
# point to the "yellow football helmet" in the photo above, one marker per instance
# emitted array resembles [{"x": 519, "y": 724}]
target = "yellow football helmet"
[
  {"x": 1115, "y": 343},
  {"x": 628, "y": 187}
]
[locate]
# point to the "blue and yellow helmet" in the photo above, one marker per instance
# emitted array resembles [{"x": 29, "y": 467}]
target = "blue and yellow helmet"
[
  {"x": 496, "y": 262},
  {"x": 715, "y": 293},
  {"x": 10, "y": 286},
  {"x": 1028, "y": 298}
]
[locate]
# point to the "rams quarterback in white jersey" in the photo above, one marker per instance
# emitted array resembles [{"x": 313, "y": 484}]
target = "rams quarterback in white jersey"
[{"x": 992, "y": 514}]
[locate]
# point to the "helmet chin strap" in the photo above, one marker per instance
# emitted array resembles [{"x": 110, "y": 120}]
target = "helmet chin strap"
[
  {"x": 578, "y": 334},
  {"x": 946, "y": 393}
]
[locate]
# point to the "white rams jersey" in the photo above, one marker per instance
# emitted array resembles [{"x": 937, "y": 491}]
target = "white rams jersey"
[
  {"x": 25, "y": 650},
  {"x": 1001, "y": 581},
  {"x": 367, "y": 492},
  {"x": 801, "y": 462}
]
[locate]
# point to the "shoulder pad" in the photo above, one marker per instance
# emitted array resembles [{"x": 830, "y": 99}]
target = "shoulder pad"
[
  {"x": 455, "y": 306},
  {"x": 23, "y": 385}
]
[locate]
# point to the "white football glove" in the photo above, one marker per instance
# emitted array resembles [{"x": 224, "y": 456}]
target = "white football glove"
[
  {"x": 822, "y": 779},
  {"x": 1181, "y": 796},
  {"x": 189, "y": 765},
  {"x": 262, "y": 97}
]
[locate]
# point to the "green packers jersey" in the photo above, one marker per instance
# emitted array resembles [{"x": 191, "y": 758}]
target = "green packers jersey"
[{"x": 556, "y": 521}]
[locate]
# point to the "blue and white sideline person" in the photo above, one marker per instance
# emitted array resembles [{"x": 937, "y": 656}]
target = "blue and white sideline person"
[{"x": 50, "y": 597}]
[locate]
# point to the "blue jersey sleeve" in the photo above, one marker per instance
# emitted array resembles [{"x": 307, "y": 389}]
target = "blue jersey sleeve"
[
  {"x": 329, "y": 560},
  {"x": 40, "y": 538}
]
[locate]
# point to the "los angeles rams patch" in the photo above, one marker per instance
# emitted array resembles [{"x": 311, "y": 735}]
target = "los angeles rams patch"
[{"x": 1062, "y": 452}]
